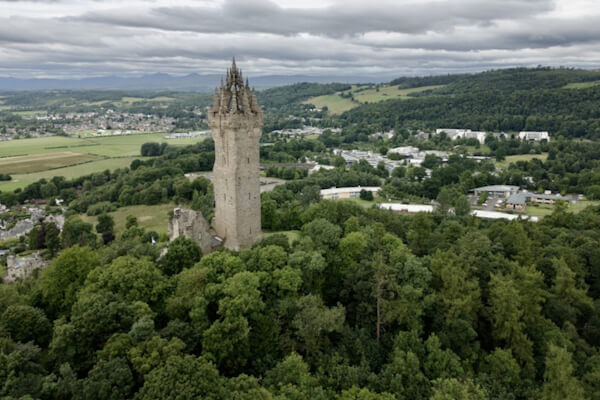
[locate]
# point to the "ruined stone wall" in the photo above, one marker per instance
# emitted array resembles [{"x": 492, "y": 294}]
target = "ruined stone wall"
[
  {"x": 22, "y": 267},
  {"x": 193, "y": 225}
]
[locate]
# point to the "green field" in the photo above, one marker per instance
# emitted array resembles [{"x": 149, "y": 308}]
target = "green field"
[
  {"x": 389, "y": 92},
  {"x": 334, "y": 103},
  {"x": 521, "y": 157},
  {"x": 291, "y": 235},
  {"x": 28, "y": 160},
  {"x": 581, "y": 85},
  {"x": 138, "y": 99},
  {"x": 42, "y": 162},
  {"x": 547, "y": 209},
  {"x": 109, "y": 146},
  {"x": 153, "y": 218},
  {"x": 73, "y": 171},
  {"x": 364, "y": 94}
]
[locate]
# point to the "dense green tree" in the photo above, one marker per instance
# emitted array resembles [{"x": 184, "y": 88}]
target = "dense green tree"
[
  {"x": 184, "y": 378},
  {"x": 559, "y": 382},
  {"x": 64, "y": 277},
  {"x": 26, "y": 323},
  {"x": 182, "y": 254},
  {"x": 75, "y": 231}
]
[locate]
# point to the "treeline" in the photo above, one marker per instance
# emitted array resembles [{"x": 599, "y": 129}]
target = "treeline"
[
  {"x": 517, "y": 79},
  {"x": 418, "y": 81}
]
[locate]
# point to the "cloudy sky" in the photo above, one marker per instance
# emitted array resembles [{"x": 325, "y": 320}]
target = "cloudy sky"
[{"x": 80, "y": 38}]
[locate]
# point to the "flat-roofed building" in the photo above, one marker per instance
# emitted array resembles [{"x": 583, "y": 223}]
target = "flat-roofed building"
[
  {"x": 518, "y": 201},
  {"x": 501, "y": 191},
  {"x": 406, "y": 208},
  {"x": 347, "y": 192},
  {"x": 534, "y": 136}
]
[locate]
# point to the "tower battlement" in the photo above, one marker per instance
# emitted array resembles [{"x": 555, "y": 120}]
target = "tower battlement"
[
  {"x": 236, "y": 122},
  {"x": 234, "y": 98}
]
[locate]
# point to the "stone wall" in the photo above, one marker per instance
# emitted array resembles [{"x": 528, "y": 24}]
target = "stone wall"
[
  {"x": 193, "y": 225},
  {"x": 22, "y": 267},
  {"x": 24, "y": 226}
]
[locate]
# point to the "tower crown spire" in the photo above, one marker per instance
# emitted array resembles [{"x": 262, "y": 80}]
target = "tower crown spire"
[{"x": 234, "y": 95}]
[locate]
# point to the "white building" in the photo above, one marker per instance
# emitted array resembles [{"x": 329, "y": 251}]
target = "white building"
[
  {"x": 406, "y": 208},
  {"x": 454, "y": 134},
  {"x": 347, "y": 192},
  {"x": 501, "y": 215},
  {"x": 404, "y": 150},
  {"x": 534, "y": 136},
  {"x": 319, "y": 167},
  {"x": 479, "y": 135}
]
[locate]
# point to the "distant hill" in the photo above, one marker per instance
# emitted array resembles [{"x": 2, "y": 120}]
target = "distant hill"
[
  {"x": 191, "y": 82},
  {"x": 565, "y": 102}
]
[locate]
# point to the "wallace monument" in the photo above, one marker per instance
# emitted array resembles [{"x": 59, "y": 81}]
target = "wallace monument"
[{"x": 236, "y": 122}]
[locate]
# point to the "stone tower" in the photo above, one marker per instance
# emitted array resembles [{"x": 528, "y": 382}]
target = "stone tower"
[{"x": 236, "y": 122}]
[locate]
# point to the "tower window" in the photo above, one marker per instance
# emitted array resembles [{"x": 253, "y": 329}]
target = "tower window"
[{"x": 248, "y": 160}]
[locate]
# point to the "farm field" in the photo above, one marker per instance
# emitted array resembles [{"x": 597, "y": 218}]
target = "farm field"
[
  {"x": 42, "y": 162},
  {"x": 153, "y": 218},
  {"x": 29, "y": 160},
  {"x": 521, "y": 157},
  {"x": 73, "y": 171},
  {"x": 364, "y": 94},
  {"x": 110, "y": 146}
]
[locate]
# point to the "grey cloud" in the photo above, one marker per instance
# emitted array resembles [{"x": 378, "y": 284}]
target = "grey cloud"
[
  {"x": 351, "y": 38},
  {"x": 338, "y": 20}
]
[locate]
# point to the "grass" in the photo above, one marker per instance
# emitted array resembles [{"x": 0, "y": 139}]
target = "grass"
[
  {"x": 390, "y": 92},
  {"x": 109, "y": 146},
  {"x": 42, "y": 162},
  {"x": 30, "y": 113},
  {"x": 520, "y": 157},
  {"x": 152, "y": 218},
  {"x": 138, "y": 99},
  {"x": 74, "y": 171},
  {"x": 334, "y": 103},
  {"x": 29, "y": 160},
  {"x": 291, "y": 235},
  {"x": 364, "y": 94},
  {"x": 581, "y": 85},
  {"x": 541, "y": 210}
]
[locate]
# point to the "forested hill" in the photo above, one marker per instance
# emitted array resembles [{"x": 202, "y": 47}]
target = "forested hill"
[
  {"x": 563, "y": 102},
  {"x": 512, "y": 79}
]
